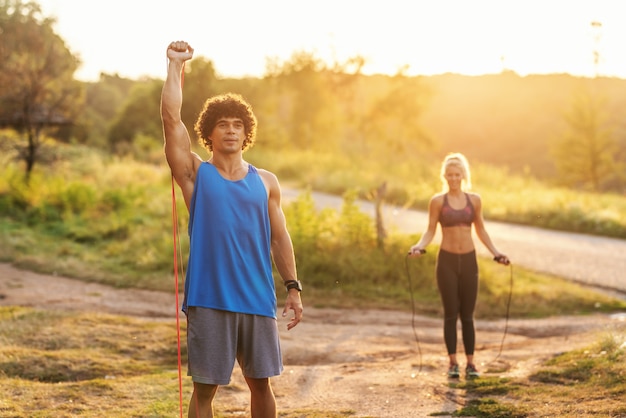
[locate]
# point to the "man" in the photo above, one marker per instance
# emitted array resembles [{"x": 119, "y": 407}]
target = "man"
[{"x": 236, "y": 228}]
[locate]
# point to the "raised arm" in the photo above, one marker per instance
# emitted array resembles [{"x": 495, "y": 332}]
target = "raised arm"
[{"x": 182, "y": 161}]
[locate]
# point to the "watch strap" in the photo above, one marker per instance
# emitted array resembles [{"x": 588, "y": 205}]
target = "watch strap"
[{"x": 293, "y": 284}]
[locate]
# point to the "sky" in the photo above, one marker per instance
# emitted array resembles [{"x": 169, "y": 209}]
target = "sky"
[{"x": 471, "y": 37}]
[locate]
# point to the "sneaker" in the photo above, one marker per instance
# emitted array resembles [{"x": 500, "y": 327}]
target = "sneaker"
[
  {"x": 453, "y": 371},
  {"x": 471, "y": 372}
]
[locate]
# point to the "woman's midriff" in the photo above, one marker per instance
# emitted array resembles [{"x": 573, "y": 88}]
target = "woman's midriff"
[{"x": 457, "y": 239}]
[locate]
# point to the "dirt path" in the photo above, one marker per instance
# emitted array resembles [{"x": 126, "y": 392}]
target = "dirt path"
[{"x": 364, "y": 361}]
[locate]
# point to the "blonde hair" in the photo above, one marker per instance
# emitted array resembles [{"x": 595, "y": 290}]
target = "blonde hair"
[{"x": 456, "y": 159}]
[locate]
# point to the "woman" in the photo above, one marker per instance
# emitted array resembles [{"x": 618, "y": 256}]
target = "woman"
[{"x": 457, "y": 270}]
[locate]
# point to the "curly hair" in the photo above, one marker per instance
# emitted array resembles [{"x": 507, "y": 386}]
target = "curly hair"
[{"x": 228, "y": 105}]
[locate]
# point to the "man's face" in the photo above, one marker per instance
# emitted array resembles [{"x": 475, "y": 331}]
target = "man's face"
[{"x": 228, "y": 135}]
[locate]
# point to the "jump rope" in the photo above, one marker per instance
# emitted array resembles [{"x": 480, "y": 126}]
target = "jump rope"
[{"x": 499, "y": 259}]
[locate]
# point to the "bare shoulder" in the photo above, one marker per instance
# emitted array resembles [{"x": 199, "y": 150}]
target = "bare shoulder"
[
  {"x": 267, "y": 175},
  {"x": 474, "y": 198},
  {"x": 436, "y": 203},
  {"x": 437, "y": 199},
  {"x": 271, "y": 182}
]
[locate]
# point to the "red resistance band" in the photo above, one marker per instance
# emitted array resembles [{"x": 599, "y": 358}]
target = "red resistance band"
[
  {"x": 175, "y": 234},
  {"x": 176, "y": 244}
]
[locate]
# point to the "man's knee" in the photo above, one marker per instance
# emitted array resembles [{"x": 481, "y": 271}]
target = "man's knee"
[
  {"x": 259, "y": 385},
  {"x": 204, "y": 391}
]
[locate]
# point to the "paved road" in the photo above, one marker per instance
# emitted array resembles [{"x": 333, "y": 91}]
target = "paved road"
[{"x": 594, "y": 261}]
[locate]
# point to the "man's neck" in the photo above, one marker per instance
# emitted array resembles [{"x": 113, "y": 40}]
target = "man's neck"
[{"x": 232, "y": 166}]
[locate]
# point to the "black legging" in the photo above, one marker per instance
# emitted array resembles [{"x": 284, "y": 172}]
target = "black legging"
[{"x": 457, "y": 279}]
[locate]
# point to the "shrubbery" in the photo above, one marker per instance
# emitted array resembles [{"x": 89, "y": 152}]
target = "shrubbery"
[{"x": 110, "y": 220}]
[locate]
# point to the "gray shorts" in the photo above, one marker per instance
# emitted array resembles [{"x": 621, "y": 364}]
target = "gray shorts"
[{"x": 215, "y": 339}]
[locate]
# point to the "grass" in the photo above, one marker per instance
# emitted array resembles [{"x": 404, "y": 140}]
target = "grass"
[
  {"x": 589, "y": 382},
  {"x": 65, "y": 364},
  {"x": 335, "y": 274},
  {"x": 109, "y": 220}
]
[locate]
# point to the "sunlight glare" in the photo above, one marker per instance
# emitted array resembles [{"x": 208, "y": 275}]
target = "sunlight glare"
[{"x": 430, "y": 37}]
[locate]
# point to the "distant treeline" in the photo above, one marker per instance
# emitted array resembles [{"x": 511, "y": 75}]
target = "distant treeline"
[
  {"x": 515, "y": 121},
  {"x": 566, "y": 130},
  {"x": 504, "y": 120}
]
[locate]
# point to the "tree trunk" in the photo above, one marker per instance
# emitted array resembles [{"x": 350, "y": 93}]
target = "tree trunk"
[{"x": 30, "y": 155}]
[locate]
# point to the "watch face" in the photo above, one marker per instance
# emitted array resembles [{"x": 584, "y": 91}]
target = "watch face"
[{"x": 294, "y": 285}]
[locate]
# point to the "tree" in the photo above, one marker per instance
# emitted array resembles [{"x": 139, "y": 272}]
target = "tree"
[
  {"x": 199, "y": 84},
  {"x": 37, "y": 88},
  {"x": 307, "y": 99},
  {"x": 585, "y": 154},
  {"x": 103, "y": 99},
  {"x": 136, "y": 117},
  {"x": 391, "y": 125}
]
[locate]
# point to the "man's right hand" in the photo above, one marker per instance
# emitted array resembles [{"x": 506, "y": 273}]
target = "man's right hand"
[{"x": 179, "y": 50}]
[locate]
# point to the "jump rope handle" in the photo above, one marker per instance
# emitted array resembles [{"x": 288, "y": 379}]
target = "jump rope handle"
[
  {"x": 502, "y": 260},
  {"x": 421, "y": 251}
]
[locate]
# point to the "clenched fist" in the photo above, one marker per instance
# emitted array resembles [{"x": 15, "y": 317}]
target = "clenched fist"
[{"x": 180, "y": 50}]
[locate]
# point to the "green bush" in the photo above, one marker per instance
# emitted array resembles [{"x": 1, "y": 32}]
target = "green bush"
[{"x": 111, "y": 221}]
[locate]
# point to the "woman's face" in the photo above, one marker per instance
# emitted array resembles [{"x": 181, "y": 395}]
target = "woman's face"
[{"x": 454, "y": 176}]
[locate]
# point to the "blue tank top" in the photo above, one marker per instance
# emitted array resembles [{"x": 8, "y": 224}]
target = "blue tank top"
[
  {"x": 230, "y": 265},
  {"x": 456, "y": 217}
]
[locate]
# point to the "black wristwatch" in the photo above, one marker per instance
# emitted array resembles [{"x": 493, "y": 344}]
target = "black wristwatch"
[{"x": 293, "y": 284}]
